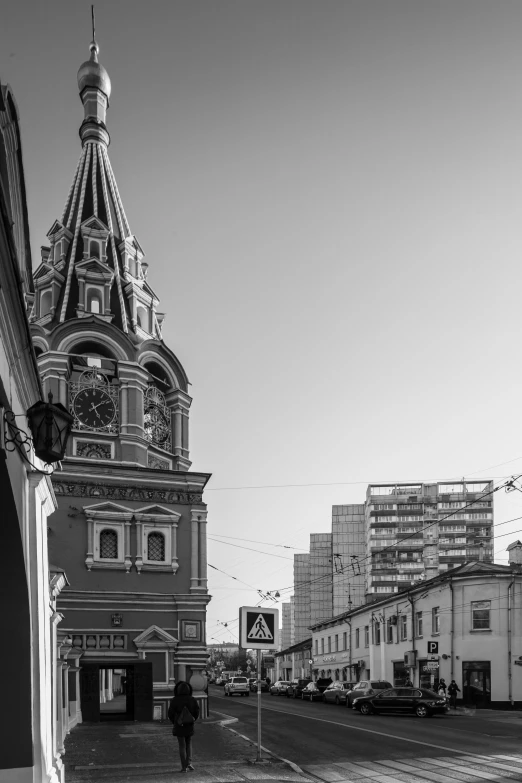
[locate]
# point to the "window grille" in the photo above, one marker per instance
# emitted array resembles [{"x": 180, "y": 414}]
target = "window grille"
[
  {"x": 156, "y": 547},
  {"x": 109, "y": 544}
]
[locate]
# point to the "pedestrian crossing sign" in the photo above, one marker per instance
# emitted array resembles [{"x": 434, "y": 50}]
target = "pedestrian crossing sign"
[{"x": 259, "y": 628}]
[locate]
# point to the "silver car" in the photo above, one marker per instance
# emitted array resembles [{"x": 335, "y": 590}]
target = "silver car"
[{"x": 337, "y": 691}]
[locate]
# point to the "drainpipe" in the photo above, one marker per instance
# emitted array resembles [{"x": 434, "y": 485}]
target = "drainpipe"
[
  {"x": 452, "y": 631},
  {"x": 509, "y": 630},
  {"x": 348, "y": 620},
  {"x": 410, "y": 599}
]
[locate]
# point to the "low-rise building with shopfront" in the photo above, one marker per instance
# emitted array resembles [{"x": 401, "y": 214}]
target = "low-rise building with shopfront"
[
  {"x": 292, "y": 663},
  {"x": 464, "y": 625}
]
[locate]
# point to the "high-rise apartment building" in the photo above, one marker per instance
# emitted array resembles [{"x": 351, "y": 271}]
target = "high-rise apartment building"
[
  {"x": 402, "y": 533},
  {"x": 286, "y": 627},
  {"x": 321, "y": 577},
  {"x": 417, "y": 531},
  {"x": 348, "y": 552},
  {"x": 301, "y": 597}
]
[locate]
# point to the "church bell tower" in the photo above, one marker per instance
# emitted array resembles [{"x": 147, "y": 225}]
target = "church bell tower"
[{"x": 130, "y": 532}]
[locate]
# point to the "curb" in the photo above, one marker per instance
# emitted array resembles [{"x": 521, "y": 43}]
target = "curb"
[{"x": 293, "y": 766}]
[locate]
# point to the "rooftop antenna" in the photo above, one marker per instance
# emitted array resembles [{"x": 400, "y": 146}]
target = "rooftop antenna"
[{"x": 93, "y": 24}]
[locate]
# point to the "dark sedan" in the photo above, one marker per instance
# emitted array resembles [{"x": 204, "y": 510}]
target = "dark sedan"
[
  {"x": 264, "y": 686},
  {"x": 312, "y": 692},
  {"x": 415, "y": 701},
  {"x": 295, "y": 688}
]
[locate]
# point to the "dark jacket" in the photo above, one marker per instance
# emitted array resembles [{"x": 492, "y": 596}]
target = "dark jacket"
[
  {"x": 183, "y": 698},
  {"x": 453, "y": 689}
]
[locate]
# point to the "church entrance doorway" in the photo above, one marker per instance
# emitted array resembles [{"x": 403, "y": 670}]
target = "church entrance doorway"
[{"x": 116, "y": 691}]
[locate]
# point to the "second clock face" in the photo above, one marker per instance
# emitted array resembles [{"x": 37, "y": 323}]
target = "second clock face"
[
  {"x": 156, "y": 425},
  {"x": 94, "y": 408}
]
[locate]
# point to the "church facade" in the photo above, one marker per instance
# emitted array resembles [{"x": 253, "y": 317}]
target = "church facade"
[{"x": 130, "y": 529}]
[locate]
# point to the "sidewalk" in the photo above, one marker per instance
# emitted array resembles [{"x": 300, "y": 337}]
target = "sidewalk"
[{"x": 115, "y": 752}]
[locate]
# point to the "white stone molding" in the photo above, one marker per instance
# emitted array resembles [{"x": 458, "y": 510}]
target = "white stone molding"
[
  {"x": 156, "y": 519},
  {"x": 108, "y": 516},
  {"x": 198, "y": 553}
]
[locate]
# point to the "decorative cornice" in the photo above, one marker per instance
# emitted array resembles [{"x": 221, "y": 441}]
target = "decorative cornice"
[{"x": 98, "y": 490}]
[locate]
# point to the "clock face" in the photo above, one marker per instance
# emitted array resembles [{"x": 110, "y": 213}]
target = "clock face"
[
  {"x": 94, "y": 408},
  {"x": 156, "y": 425}
]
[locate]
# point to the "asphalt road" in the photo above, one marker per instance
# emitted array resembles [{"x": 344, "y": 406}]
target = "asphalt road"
[{"x": 313, "y": 733}]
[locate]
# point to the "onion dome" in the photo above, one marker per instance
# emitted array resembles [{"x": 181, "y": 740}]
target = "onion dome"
[{"x": 92, "y": 74}]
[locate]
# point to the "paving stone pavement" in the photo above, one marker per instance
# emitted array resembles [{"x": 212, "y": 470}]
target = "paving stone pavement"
[
  {"x": 468, "y": 768},
  {"x": 120, "y": 752}
]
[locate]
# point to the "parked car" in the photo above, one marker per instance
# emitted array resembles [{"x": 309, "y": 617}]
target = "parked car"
[
  {"x": 295, "y": 688},
  {"x": 323, "y": 683},
  {"x": 253, "y": 686},
  {"x": 237, "y": 685},
  {"x": 312, "y": 692},
  {"x": 419, "y": 701},
  {"x": 336, "y": 692},
  {"x": 279, "y": 687},
  {"x": 366, "y": 688}
]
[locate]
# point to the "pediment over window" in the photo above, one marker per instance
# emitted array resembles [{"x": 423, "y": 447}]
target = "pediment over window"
[
  {"x": 108, "y": 511},
  {"x": 95, "y": 224},
  {"x": 155, "y": 637},
  {"x": 157, "y": 511},
  {"x": 93, "y": 268}
]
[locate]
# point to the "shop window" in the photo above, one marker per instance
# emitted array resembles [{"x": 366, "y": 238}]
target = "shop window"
[
  {"x": 435, "y": 620},
  {"x": 377, "y": 632},
  {"x": 480, "y": 615}
]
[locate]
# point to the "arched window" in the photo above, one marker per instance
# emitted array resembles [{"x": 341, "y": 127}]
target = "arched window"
[
  {"x": 142, "y": 318},
  {"x": 46, "y": 301},
  {"x": 156, "y": 547},
  {"x": 94, "y": 302},
  {"x": 94, "y": 248},
  {"x": 108, "y": 545}
]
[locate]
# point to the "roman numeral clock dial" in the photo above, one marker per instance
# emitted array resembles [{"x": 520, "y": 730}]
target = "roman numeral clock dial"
[
  {"x": 94, "y": 408},
  {"x": 94, "y": 403}
]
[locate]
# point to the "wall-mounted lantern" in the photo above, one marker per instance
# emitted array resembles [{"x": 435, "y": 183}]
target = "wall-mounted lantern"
[{"x": 50, "y": 424}]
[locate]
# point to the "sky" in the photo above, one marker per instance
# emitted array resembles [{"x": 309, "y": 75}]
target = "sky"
[{"x": 329, "y": 196}]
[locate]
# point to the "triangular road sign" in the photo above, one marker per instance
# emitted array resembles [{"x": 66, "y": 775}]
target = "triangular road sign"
[{"x": 260, "y": 630}]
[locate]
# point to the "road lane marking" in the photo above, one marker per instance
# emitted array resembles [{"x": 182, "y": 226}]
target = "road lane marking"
[{"x": 360, "y": 728}]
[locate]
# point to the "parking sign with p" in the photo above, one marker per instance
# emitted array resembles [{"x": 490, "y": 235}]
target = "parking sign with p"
[{"x": 433, "y": 648}]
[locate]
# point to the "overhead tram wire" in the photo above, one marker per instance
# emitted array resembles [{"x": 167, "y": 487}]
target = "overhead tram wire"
[
  {"x": 393, "y": 546},
  {"x": 453, "y": 479},
  {"x": 368, "y": 558}
]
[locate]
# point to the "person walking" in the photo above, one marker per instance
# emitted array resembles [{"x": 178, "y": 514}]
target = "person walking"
[
  {"x": 183, "y": 713},
  {"x": 441, "y": 690},
  {"x": 453, "y": 689}
]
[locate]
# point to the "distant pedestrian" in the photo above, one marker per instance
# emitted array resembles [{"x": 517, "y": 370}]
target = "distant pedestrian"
[
  {"x": 442, "y": 687},
  {"x": 268, "y": 681},
  {"x": 453, "y": 689},
  {"x": 183, "y": 713},
  {"x": 408, "y": 683}
]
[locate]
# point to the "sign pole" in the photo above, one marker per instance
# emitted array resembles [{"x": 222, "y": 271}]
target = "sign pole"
[{"x": 259, "y": 658}]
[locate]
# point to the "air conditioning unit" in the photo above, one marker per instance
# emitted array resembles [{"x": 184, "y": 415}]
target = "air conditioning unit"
[{"x": 410, "y": 658}]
